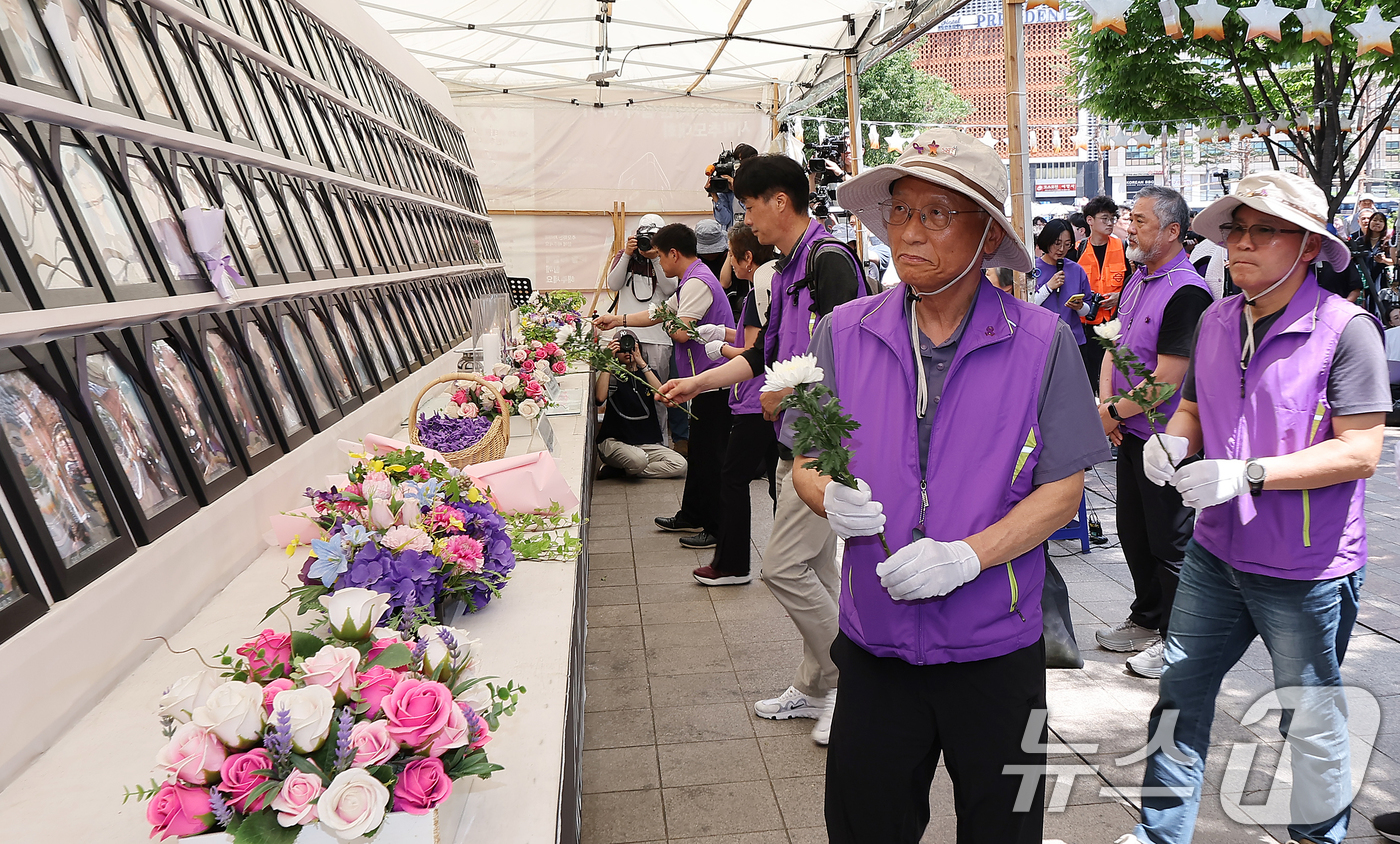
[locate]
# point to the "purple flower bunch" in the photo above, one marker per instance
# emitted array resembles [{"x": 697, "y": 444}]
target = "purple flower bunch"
[
  {"x": 410, "y": 578},
  {"x": 482, "y": 523},
  {"x": 444, "y": 433}
]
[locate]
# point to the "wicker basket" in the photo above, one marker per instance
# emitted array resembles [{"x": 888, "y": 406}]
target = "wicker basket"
[{"x": 492, "y": 446}]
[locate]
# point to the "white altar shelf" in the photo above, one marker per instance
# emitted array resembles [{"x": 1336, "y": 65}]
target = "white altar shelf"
[{"x": 73, "y": 793}]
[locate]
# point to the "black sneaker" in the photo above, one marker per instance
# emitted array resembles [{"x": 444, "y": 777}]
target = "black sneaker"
[
  {"x": 1388, "y": 825},
  {"x": 708, "y": 576},
  {"x": 607, "y": 472},
  {"x": 677, "y": 524},
  {"x": 703, "y": 539}
]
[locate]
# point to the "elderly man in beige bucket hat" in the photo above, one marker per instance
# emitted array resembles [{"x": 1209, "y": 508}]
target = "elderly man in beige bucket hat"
[
  {"x": 976, "y": 426},
  {"x": 1286, "y": 397}
]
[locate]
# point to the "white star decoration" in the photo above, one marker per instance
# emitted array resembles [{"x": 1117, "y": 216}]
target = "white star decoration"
[
  {"x": 1265, "y": 19},
  {"x": 1316, "y": 21},
  {"x": 1171, "y": 17},
  {"x": 1373, "y": 33},
  {"x": 1108, "y": 14},
  {"x": 1209, "y": 17}
]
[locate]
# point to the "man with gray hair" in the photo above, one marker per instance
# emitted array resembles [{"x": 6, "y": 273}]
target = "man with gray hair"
[{"x": 1158, "y": 310}]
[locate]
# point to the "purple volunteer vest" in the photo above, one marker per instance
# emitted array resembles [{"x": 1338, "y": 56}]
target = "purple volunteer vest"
[
  {"x": 744, "y": 396},
  {"x": 985, "y": 444},
  {"x": 791, "y": 320},
  {"x": 1140, "y": 310},
  {"x": 690, "y": 356},
  {"x": 1280, "y": 408}
]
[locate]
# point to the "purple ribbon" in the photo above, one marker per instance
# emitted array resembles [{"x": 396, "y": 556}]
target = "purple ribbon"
[{"x": 221, "y": 272}]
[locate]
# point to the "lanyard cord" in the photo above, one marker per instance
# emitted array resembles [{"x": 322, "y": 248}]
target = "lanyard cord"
[
  {"x": 921, "y": 382},
  {"x": 1247, "y": 352},
  {"x": 976, "y": 257}
]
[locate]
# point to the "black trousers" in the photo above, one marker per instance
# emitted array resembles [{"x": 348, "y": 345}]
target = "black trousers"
[
  {"x": 753, "y": 447},
  {"x": 709, "y": 440},
  {"x": 1154, "y": 527},
  {"x": 894, "y": 720},
  {"x": 1092, "y": 352}
]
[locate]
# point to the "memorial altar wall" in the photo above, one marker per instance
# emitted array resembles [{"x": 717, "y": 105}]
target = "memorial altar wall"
[{"x": 168, "y": 373}]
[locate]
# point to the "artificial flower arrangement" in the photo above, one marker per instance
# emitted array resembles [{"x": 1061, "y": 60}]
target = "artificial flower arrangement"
[
  {"x": 337, "y": 729},
  {"x": 526, "y": 393},
  {"x": 411, "y": 528}
]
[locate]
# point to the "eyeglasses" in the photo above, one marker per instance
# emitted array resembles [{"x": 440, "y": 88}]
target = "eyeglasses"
[
  {"x": 932, "y": 217},
  {"x": 1234, "y": 233},
  {"x": 1105, "y": 218}
]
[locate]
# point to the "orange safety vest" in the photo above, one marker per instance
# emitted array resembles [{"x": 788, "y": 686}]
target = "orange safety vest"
[{"x": 1110, "y": 280}]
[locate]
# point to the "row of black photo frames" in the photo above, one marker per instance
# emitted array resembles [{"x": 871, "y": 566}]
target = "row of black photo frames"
[
  {"x": 122, "y": 202},
  {"x": 137, "y": 61},
  {"x": 117, "y": 437}
]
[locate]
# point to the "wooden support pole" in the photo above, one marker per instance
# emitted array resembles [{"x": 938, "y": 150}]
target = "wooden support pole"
[
  {"x": 1014, "y": 33},
  {"x": 853, "y": 121},
  {"x": 777, "y": 104},
  {"x": 619, "y": 239}
]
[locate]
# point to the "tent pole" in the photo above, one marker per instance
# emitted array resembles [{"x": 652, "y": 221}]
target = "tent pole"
[
  {"x": 619, "y": 222},
  {"x": 1014, "y": 33},
  {"x": 777, "y": 98},
  {"x": 853, "y": 124}
]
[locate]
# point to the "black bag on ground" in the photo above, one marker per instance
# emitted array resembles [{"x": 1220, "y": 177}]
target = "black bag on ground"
[{"x": 1061, "y": 649}]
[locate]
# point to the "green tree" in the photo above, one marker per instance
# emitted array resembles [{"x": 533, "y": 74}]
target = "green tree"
[
  {"x": 1147, "y": 76},
  {"x": 895, "y": 91}
]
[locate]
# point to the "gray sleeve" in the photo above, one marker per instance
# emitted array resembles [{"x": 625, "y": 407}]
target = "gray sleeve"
[
  {"x": 617, "y": 273},
  {"x": 1359, "y": 381},
  {"x": 821, "y": 347},
  {"x": 1071, "y": 434}
]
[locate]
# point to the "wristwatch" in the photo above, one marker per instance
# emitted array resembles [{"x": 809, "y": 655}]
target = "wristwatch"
[
  {"x": 1113, "y": 411},
  {"x": 1254, "y": 473}
]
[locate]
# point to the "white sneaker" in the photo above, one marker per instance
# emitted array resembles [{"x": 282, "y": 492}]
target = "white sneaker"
[
  {"x": 1127, "y": 636},
  {"x": 1129, "y": 839},
  {"x": 790, "y": 704},
  {"x": 821, "y": 733},
  {"x": 1149, "y": 663}
]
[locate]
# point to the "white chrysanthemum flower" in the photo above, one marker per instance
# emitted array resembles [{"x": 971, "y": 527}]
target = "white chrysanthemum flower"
[
  {"x": 1111, "y": 330},
  {"x": 787, "y": 374}
]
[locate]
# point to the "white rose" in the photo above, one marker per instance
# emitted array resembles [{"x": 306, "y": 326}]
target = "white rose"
[
  {"x": 510, "y": 383},
  {"x": 352, "y": 613},
  {"x": 528, "y": 409},
  {"x": 501, "y": 370},
  {"x": 386, "y": 633},
  {"x": 786, "y": 374},
  {"x": 478, "y": 697},
  {"x": 1111, "y": 330},
  {"x": 353, "y": 804},
  {"x": 234, "y": 714},
  {"x": 187, "y": 694},
  {"x": 310, "y": 711},
  {"x": 452, "y": 411},
  {"x": 542, "y": 375}
]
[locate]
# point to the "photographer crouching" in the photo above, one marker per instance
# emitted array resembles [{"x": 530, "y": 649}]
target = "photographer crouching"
[{"x": 629, "y": 438}]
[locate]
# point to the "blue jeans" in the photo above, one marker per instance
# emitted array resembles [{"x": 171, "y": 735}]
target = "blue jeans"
[{"x": 1306, "y": 625}]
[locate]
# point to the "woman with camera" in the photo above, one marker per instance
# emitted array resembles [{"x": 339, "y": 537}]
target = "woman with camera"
[
  {"x": 637, "y": 280},
  {"x": 1062, "y": 285},
  {"x": 629, "y": 438},
  {"x": 1375, "y": 249}
]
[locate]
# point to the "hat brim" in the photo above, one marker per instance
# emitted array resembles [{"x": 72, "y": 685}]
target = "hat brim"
[
  {"x": 1222, "y": 210},
  {"x": 862, "y": 195}
]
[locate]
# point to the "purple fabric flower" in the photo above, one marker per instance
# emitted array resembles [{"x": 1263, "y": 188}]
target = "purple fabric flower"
[
  {"x": 446, "y": 434},
  {"x": 484, "y": 524},
  {"x": 412, "y": 581},
  {"x": 370, "y": 565}
]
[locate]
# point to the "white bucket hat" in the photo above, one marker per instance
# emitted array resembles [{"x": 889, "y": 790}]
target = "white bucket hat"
[
  {"x": 950, "y": 159},
  {"x": 1283, "y": 195}
]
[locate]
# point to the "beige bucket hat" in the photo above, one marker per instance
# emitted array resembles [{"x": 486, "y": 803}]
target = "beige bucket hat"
[
  {"x": 1283, "y": 195},
  {"x": 950, "y": 159}
]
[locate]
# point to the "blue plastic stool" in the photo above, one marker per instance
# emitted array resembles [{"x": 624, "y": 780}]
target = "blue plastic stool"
[{"x": 1077, "y": 528}]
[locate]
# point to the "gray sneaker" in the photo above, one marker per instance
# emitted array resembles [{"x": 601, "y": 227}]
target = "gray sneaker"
[
  {"x": 1127, "y": 636},
  {"x": 1149, "y": 663}
]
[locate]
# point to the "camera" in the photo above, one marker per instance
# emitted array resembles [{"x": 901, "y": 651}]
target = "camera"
[
  {"x": 833, "y": 150},
  {"x": 1095, "y": 301},
  {"x": 644, "y": 236},
  {"x": 726, "y": 165},
  {"x": 626, "y": 343}
]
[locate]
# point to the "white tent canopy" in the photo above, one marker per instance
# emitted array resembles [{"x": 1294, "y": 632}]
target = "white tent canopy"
[{"x": 728, "y": 51}]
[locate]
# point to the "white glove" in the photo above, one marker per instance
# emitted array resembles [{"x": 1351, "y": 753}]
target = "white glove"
[
  {"x": 928, "y": 568},
  {"x": 1161, "y": 451},
  {"x": 710, "y": 333},
  {"x": 714, "y": 349},
  {"x": 851, "y": 512},
  {"x": 1210, "y": 482}
]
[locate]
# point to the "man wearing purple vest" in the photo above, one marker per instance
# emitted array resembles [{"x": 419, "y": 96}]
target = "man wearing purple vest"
[
  {"x": 702, "y": 300},
  {"x": 1286, "y": 395},
  {"x": 799, "y": 565},
  {"x": 1158, "y": 310},
  {"x": 976, "y": 426}
]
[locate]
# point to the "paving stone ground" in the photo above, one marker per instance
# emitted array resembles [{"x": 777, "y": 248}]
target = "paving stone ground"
[{"x": 673, "y": 751}]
